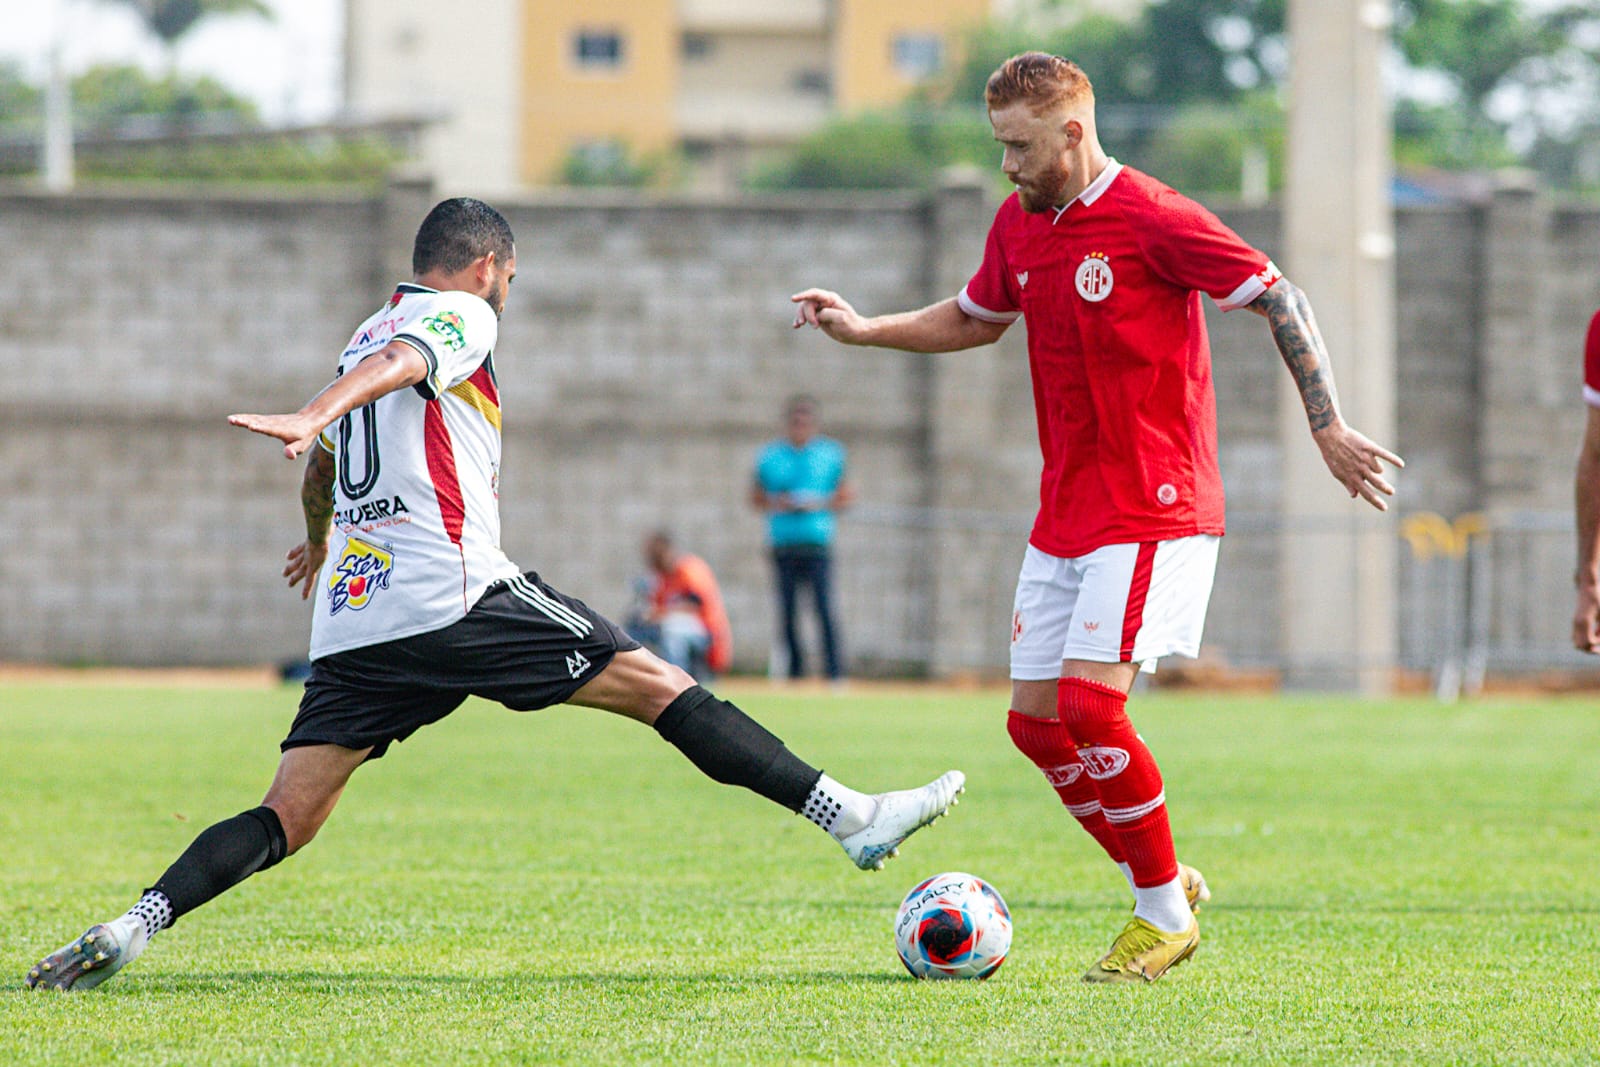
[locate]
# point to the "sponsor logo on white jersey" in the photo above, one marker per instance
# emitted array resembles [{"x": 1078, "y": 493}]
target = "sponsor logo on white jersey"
[
  {"x": 360, "y": 572},
  {"x": 1103, "y": 761},
  {"x": 449, "y": 328}
]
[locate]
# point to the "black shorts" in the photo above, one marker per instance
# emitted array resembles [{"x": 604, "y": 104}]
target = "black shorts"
[{"x": 523, "y": 644}]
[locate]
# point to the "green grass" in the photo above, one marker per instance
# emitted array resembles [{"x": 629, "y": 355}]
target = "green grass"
[{"x": 1395, "y": 883}]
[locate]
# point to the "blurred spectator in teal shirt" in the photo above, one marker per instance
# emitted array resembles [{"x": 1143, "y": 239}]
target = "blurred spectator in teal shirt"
[{"x": 800, "y": 484}]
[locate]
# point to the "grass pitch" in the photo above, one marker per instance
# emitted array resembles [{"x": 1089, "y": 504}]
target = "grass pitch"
[{"x": 1394, "y": 882}]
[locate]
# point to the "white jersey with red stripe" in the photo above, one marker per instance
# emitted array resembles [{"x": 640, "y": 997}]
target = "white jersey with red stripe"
[{"x": 416, "y": 522}]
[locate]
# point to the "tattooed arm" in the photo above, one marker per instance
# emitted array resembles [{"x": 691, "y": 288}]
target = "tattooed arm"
[
  {"x": 316, "y": 498},
  {"x": 1355, "y": 461}
]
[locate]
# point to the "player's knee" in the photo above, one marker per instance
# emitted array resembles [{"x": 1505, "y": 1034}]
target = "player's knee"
[
  {"x": 1044, "y": 741},
  {"x": 300, "y": 825},
  {"x": 666, "y": 683}
]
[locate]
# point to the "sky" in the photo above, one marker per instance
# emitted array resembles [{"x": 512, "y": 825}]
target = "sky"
[{"x": 290, "y": 66}]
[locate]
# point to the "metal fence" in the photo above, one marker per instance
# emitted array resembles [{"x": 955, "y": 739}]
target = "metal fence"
[{"x": 929, "y": 591}]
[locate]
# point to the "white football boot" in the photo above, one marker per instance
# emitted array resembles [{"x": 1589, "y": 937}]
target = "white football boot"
[
  {"x": 85, "y": 962},
  {"x": 898, "y": 816}
]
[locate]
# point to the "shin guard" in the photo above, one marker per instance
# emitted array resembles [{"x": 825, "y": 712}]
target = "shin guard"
[
  {"x": 225, "y": 854},
  {"x": 734, "y": 749},
  {"x": 1124, "y": 774},
  {"x": 1047, "y": 743}
]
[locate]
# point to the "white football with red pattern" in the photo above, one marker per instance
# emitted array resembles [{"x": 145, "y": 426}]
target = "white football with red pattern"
[{"x": 953, "y": 925}]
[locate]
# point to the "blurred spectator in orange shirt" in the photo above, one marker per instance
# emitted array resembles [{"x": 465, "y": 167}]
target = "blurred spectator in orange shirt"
[{"x": 683, "y": 618}]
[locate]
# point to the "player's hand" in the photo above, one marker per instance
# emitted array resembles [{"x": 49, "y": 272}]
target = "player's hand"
[
  {"x": 297, "y": 432},
  {"x": 1586, "y": 619},
  {"x": 1357, "y": 463},
  {"x": 828, "y": 312},
  {"x": 305, "y": 563}
]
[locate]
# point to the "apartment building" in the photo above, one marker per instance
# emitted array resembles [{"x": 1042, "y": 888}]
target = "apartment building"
[{"x": 521, "y": 86}]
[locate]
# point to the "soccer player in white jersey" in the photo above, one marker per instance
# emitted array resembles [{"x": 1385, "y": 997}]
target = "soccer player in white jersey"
[
  {"x": 1107, "y": 265},
  {"x": 417, "y": 608}
]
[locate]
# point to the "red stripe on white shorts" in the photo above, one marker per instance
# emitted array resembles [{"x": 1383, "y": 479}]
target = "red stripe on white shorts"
[{"x": 1138, "y": 590}]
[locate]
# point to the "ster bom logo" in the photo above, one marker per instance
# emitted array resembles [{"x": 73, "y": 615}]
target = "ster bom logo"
[{"x": 362, "y": 570}]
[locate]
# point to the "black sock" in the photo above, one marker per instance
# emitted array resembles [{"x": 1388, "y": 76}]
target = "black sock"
[
  {"x": 224, "y": 855},
  {"x": 734, "y": 749}
]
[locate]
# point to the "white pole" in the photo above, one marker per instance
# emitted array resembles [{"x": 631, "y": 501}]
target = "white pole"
[{"x": 58, "y": 161}]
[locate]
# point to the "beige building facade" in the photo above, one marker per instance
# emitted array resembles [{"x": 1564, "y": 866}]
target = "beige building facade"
[{"x": 522, "y": 89}]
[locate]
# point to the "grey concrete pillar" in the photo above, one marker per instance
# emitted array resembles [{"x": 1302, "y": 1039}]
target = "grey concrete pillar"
[
  {"x": 1515, "y": 443},
  {"x": 1338, "y": 563},
  {"x": 956, "y": 422},
  {"x": 407, "y": 198}
]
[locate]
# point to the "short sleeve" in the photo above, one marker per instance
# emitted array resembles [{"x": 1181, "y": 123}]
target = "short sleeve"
[
  {"x": 1192, "y": 248},
  {"x": 989, "y": 295},
  {"x": 1591, "y": 363},
  {"x": 455, "y": 332}
]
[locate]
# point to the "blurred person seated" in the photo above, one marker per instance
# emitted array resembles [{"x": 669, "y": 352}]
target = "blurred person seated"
[{"x": 679, "y": 611}]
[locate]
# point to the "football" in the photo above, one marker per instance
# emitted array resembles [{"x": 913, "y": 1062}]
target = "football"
[{"x": 953, "y": 925}]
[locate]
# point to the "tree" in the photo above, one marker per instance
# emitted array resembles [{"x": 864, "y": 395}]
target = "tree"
[
  {"x": 1523, "y": 86},
  {"x": 171, "y": 19},
  {"x": 20, "y": 102},
  {"x": 106, "y": 96}
]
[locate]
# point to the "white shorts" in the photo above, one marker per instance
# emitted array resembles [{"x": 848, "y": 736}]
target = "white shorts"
[{"x": 1119, "y": 604}]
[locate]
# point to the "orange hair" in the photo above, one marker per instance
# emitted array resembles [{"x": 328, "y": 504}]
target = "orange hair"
[{"x": 1040, "y": 80}]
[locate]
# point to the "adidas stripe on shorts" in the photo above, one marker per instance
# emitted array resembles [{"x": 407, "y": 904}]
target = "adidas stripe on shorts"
[{"x": 524, "y": 645}]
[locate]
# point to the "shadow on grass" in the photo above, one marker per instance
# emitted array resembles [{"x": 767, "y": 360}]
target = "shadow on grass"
[
  {"x": 1514, "y": 910},
  {"x": 374, "y": 982}
]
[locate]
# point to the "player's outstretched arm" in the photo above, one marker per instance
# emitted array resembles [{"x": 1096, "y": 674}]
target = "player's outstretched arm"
[
  {"x": 941, "y": 327},
  {"x": 316, "y": 499},
  {"x": 1354, "y": 460},
  {"x": 1586, "y": 498},
  {"x": 395, "y": 366}
]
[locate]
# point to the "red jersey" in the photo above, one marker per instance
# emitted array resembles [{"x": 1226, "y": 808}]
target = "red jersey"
[
  {"x": 1110, "y": 287},
  {"x": 1591, "y": 363},
  {"x": 691, "y": 583}
]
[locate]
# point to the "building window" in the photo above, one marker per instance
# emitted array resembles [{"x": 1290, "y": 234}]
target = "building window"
[
  {"x": 811, "y": 82},
  {"x": 597, "y": 49},
  {"x": 697, "y": 46},
  {"x": 917, "y": 55}
]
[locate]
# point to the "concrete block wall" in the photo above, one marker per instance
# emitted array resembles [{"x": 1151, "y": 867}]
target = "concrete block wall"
[{"x": 644, "y": 356}]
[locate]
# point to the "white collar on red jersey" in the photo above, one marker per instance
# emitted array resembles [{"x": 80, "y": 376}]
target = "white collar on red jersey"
[{"x": 1094, "y": 189}]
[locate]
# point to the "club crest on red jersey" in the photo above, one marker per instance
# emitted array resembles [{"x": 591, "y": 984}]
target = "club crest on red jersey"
[
  {"x": 1094, "y": 278},
  {"x": 360, "y": 572}
]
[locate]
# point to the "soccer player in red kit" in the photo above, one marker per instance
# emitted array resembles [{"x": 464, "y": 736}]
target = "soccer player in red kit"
[
  {"x": 1586, "y": 496},
  {"x": 1107, "y": 265}
]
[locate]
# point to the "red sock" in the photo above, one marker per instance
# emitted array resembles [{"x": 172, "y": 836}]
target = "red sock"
[
  {"x": 1047, "y": 743},
  {"x": 1124, "y": 774}
]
